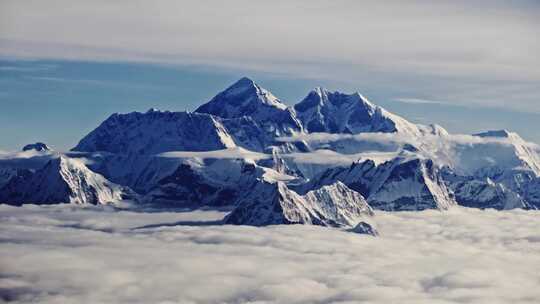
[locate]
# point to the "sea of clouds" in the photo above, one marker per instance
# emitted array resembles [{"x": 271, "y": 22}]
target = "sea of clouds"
[{"x": 67, "y": 254}]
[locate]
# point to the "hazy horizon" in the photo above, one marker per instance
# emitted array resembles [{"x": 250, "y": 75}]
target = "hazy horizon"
[
  {"x": 58, "y": 102},
  {"x": 469, "y": 66}
]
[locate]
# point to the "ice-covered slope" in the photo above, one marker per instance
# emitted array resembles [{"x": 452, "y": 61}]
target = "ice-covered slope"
[
  {"x": 210, "y": 182},
  {"x": 484, "y": 194},
  {"x": 275, "y": 203},
  {"x": 245, "y": 134},
  {"x": 400, "y": 184},
  {"x": 246, "y": 98},
  {"x": 523, "y": 153},
  {"x": 335, "y": 112},
  {"x": 155, "y": 132},
  {"x": 502, "y": 156},
  {"x": 62, "y": 180},
  {"x": 257, "y": 136},
  {"x": 410, "y": 185}
]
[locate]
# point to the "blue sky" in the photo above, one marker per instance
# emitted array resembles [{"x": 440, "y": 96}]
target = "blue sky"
[
  {"x": 58, "y": 102},
  {"x": 467, "y": 65}
]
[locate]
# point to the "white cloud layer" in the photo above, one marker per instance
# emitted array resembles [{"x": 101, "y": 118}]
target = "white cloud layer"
[
  {"x": 464, "y": 153},
  {"x": 65, "y": 254},
  {"x": 473, "y": 52}
]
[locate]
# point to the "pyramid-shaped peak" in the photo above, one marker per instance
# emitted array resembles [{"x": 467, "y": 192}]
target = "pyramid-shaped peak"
[
  {"x": 243, "y": 98},
  {"x": 243, "y": 82},
  {"x": 241, "y": 86}
]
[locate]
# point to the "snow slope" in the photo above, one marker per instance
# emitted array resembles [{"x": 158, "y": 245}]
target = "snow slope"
[
  {"x": 155, "y": 132},
  {"x": 62, "y": 180},
  {"x": 246, "y": 98},
  {"x": 245, "y": 135},
  {"x": 335, "y": 112},
  {"x": 402, "y": 183},
  {"x": 274, "y": 203}
]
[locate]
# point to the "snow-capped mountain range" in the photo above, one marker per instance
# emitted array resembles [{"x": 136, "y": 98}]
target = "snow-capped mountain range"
[{"x": 328, "y": 160}]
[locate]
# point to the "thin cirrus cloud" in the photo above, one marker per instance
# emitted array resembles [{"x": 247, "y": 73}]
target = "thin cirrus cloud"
[
  {"x": 481, "y": 52},
  {"x": 419, "y": 101}
]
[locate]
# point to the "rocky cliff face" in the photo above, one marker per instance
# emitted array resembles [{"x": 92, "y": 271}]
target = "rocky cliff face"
[
  {"x": 275, "y": 203},
  {"x": 62, "y": 180},
  {"x": 335, "y": 112}
]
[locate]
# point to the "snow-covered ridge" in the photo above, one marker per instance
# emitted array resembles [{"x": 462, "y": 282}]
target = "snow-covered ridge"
[
  {"x": 335, "y": 112},
  {"x": 245, "y": 138},
  {"x": 399, "y": 184},
  {"x": 275, "y": 203},
  {"x": 62, "y": 180},
  {"x": 155, "y": 132}
]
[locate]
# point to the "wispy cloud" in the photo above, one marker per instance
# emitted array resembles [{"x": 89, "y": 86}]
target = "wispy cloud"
[
  {"x": 420, "y": 101},
  {"x": 464, "y": 153},
  {"x": 458, "y": 50},
  {"x": 95, "y": 82},
  {"x": 27, "y": 68},
  {"x": 232, "y": 153}
]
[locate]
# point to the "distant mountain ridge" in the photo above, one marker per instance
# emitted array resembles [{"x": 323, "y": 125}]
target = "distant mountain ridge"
[
  {"x": 327, "y": 160},
  {"x": 63, "y": 180}
]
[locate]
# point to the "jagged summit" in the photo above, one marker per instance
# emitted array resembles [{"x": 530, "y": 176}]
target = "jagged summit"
[
  {"x": 399, "y": 184},
  {"x": 242, "y": 98},
  {"x": 398, "y": 171},
  {"x": 326, "y": 96},
  {"x": 335, "y": 112},
  {"x": 246, "y": 98},
  {"x": 274, "y": 204}
]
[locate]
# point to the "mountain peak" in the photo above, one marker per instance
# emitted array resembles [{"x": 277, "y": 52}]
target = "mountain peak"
[
  {"x": 336, "y": 112},
  {"x": 244, "y": 81},
  {"x": 39, "y": 146},
  {"x": 274, "y": 203},
  {"x": 243, "y": 98},
  {"x": 246, "y": 98},
  {"x": 320, "y": 91},
  {"x": 63, "y": 180}
]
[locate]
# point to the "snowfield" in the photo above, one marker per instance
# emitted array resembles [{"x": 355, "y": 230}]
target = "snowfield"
[{"x": 76, "y": 254}]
